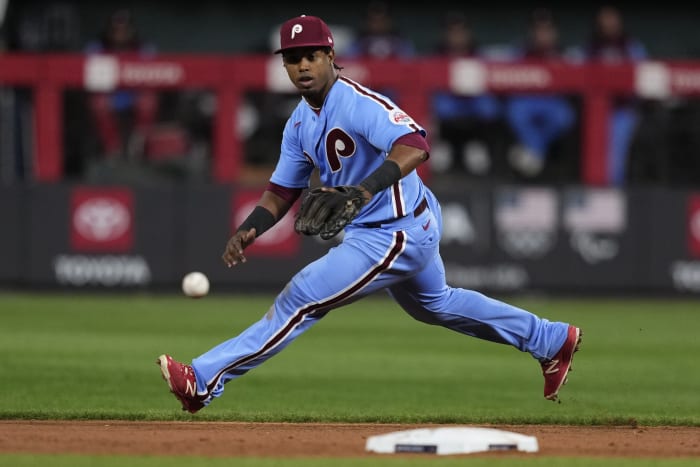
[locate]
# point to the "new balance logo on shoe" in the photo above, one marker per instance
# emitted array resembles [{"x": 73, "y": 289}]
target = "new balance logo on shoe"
[
  {"x": 555, "y": 371},
  {"x": 191, "y": 388},
  {"x": 182, "y": 383},
  {"x": 552, "y": 368}
]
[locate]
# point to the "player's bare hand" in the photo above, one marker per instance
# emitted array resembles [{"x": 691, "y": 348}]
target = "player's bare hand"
[
  {"x": 233, "y": 254},
  {"x": 366, "y": 194}
]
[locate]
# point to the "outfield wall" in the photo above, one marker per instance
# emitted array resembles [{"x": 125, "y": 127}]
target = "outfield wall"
[{"x": 509, "y": 239}]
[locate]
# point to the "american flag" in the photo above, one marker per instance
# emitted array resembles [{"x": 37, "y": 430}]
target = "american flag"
[
  {"x": 526, "y": 209},
  {"x": 602, "y": 210}
]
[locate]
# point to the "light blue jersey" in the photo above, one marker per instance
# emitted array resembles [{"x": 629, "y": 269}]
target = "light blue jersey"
[
  {"x": 392, "y": 245},
  {"x": 346, "y": 141}
]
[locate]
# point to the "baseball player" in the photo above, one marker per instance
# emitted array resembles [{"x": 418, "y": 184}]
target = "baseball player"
[{"x": 366, "y": 150}]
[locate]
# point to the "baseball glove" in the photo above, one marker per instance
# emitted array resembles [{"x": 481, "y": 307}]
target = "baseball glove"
[{"x": 326, "y": 211}]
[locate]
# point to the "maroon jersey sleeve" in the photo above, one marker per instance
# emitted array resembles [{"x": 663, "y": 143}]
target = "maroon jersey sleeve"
[
  {"x": 288, "y": 194},
  {"x": 415, "y": 140}
]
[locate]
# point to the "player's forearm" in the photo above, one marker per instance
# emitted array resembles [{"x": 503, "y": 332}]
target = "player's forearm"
[
  {"x": 408, "y": 158},
  {"x": 269, "y": 210},
  {"x": 277, "y": 205},
  {"x": 401, "y": 161}
]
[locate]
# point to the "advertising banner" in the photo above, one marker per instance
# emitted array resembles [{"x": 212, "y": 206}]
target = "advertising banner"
[
  {"x": 542, "y": 238},
  {"x": 469, "y": 244},
  {"x": 104, "y": 237},
  {"x": 12, "y": 243},
  {"x": 674, "y": 264},
  {"x": 603, "y": 229},
  {"x": 527, "y": 230},
  {"x": 507, "y": 239}
]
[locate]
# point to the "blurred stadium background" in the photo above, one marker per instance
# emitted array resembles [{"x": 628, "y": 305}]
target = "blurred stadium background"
[{"x": 122, "y": 171}]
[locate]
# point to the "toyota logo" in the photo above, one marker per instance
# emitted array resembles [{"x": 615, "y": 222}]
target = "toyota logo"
[{"x": 101, "y": 219}]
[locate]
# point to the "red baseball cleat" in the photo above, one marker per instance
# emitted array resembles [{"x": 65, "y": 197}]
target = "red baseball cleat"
[
  {"x": 556, "y": 369},
  {"x": 182, "y": 382}
]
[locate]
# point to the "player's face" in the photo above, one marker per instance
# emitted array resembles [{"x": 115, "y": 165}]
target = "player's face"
[{"x": 311, "y": 71}]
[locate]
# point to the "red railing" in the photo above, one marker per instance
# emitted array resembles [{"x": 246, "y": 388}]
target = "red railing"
[{"x": 229, "y": 77}]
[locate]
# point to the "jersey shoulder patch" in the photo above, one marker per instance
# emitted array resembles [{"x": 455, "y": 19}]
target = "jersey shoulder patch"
[{"x": 400, "y": 117}]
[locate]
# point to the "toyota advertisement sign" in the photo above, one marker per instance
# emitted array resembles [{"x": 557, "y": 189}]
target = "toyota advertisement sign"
[{"x": 503, "y": 239}]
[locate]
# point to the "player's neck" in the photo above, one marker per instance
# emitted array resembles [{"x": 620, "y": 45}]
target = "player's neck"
[{"x": 315, "y": 101}]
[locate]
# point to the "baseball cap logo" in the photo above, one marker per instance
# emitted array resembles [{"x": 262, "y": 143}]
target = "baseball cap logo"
[{"x": 304, "y": 31}]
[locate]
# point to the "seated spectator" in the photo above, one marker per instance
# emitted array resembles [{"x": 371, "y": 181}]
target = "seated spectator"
[
  {"x": 48, "y": 26},
  {"x": 467, "y": 126},
  {"x": 379, "y": 38},
  {"x": 610, "y": 43},
  {"x": 537, "y": 120},
  {"x": 122, "y": 117},
  {"x": 30, "y": 27}
]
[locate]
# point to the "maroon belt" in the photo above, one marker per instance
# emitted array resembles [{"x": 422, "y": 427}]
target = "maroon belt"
[{"x": 416, "y": 212}]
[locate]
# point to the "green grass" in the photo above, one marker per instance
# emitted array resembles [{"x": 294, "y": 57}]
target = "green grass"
[{"x": 92, "y": 357}]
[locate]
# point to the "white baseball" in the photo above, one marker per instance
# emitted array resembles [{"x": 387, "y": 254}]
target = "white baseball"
[{"x": 195, "y": 284}]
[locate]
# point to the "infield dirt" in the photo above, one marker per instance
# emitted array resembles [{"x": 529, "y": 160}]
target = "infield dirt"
[{"x": 238, "y": 439}]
